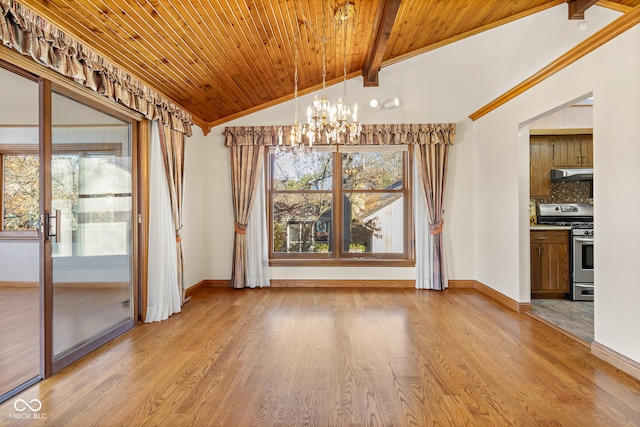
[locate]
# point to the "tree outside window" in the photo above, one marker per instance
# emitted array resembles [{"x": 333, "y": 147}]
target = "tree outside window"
[{"x": 21, "y": 202}]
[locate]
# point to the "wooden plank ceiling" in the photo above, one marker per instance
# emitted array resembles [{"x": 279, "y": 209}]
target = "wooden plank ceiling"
[{"x": 221, "y": 59}]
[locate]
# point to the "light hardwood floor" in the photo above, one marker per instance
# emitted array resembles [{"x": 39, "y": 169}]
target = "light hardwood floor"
[
  {"x": 338, "y": 357},
  {"x": 79, "y": 314},
  {"x": 19, "y": 336}
]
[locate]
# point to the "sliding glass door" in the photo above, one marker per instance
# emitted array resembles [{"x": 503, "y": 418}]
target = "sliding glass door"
[
  {"x": 67, "y": 229},
  {"x": 89, "y": 227}
]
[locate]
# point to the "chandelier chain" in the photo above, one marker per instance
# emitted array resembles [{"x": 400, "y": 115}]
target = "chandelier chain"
[
  {"x": 324, "y": 49},
  {"x": 344, "y": 62},
  {"x": 331, "y": 123},
  {"x": 295, "y": 75}
]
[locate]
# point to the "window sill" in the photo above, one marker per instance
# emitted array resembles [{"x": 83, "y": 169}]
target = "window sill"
[{"x": 351, "y": 262}]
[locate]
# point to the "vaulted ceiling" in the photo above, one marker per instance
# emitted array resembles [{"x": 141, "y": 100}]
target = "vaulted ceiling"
[{"x": 222, "y": 59}]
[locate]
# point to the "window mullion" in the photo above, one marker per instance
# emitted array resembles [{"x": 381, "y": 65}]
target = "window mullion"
[
  {"x": 408, "y": 227},
  {"x": 338, "y": 213}
]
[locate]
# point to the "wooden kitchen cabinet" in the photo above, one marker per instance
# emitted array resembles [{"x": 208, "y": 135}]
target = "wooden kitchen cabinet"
[
  {"x": 550, "y": 276},
  {"x": 556, "y": 151},
  {"x": 540, "y": 163},
  {"x": 572, "y": 151}
]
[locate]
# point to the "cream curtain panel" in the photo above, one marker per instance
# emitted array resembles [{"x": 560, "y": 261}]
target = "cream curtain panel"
[
  {"x": 432, "y": 141},
  {"x": 257, "y": 275},
  {"x": 172, "y": 145},
  {"x": 163, "y": 292},
  {"x": 29, "y": 34}
]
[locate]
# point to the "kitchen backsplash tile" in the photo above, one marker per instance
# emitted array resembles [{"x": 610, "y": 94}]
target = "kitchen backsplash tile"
[{"x": 569, "y": 192}]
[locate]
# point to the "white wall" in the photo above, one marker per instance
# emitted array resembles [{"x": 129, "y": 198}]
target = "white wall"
[
  {"x": 195, "y": 219},
  {"x": 500, "y": 162},
  {"x": 445, "y": 85},
  {"x": 23, "y": 93}
]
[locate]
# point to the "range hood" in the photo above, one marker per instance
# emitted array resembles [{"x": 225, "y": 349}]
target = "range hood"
[{"x": 571, "y": 174}]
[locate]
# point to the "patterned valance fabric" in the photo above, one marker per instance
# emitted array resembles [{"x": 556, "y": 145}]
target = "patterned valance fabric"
[
  {"x": 396, "y": 134},
  {"x": 254, "y": 135},
  {"x": 29, "y": 34}
]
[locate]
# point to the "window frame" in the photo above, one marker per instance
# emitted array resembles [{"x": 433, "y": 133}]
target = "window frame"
[{"x": 338, "y": 257}]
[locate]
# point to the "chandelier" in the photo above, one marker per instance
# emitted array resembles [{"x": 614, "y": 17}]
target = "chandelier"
[{"x": 332, "y": 123}]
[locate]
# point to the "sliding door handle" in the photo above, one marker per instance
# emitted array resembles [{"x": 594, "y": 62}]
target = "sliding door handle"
[{"x": 47, "y": 226}]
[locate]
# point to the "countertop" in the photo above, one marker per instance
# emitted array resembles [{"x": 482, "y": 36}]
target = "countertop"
[{"x": 550, "y": 227}]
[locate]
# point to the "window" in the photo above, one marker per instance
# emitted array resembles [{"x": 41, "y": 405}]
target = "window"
[
  {"x": 20, "y": 181},
  {"x": 20, "y": 191},
  {"x": 362, "y": 216}
]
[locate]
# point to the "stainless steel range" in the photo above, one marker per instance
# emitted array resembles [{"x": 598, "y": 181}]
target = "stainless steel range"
[{"x": 580, "y": 218}]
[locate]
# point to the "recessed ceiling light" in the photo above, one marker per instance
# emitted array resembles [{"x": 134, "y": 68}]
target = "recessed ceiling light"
[{"x": 373, "y": 103}]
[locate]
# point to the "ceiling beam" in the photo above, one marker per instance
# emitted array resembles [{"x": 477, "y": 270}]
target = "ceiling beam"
[
  {"x": 578, "y": 7},
  {"x": 614, "y": 6},
  {"x": 385, "y": 17}
]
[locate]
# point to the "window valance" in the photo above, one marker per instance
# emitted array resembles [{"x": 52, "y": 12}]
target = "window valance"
[
  {"x": 395, "y": 134},
  {"x": 29, "y": 34}
]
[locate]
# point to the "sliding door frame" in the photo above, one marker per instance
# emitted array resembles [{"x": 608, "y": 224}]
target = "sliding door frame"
[
  {"x": 46, "y": 284},
  {"x": 29, "y": 75},
  {"x": 46, "y": 89}
]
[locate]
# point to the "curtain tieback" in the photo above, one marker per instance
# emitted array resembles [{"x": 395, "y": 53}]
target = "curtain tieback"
[
  {"x": 240, "y": 228},
  {"x": 436, "y": 228}
]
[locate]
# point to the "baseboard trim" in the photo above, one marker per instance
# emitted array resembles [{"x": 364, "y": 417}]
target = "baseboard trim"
[
  {"x": 520, "y": 307},
  {"x": 388, "y": 284},
  {"x": 13, "y": 284},
  {"x": 294, "y": 283},
  {"x": 616, "y": 359},
  {"x": 206, "y": 284},
  {"x": 100, "y": 285},
  {"x": 461, "y": 284},
  {"x": 7, "y": 284}
]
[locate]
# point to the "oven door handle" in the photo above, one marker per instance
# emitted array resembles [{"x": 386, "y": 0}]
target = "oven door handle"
[{"x": 583, "y": 240}]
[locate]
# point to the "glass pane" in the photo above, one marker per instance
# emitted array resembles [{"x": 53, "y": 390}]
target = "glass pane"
[
  {"x": 20, "y": 192},
  {"x": 372, "y": 170},
  {"x": 91, "y": 186},
  {"x": 19, "y": 259},
  {"x": 375, "y": 221},
  {"x": 311, "y": 171},
  {"x": 302, "y": 222}
]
